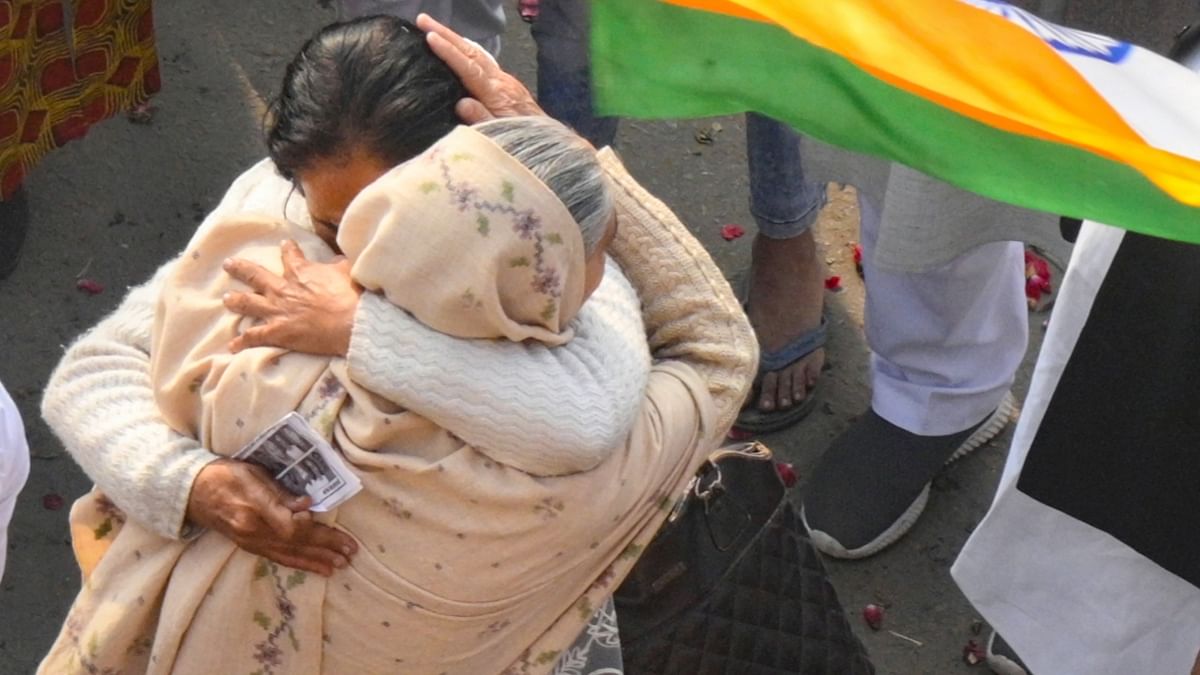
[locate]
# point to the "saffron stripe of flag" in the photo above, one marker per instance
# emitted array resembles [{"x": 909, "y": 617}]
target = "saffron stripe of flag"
[{"x": 977, "y": 93}]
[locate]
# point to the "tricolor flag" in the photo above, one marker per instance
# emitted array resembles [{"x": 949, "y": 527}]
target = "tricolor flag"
[{"x": 978, "y": 93}]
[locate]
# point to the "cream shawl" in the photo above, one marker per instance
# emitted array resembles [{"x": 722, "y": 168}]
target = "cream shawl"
[{"x": 465, "y": 565}]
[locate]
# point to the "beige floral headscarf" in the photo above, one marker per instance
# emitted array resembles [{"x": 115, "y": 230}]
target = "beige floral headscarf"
[{"x": 470, "y": 242}]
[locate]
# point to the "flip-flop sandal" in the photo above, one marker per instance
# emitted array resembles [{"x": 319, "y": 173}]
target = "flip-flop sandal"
[{"x": 755, "y": 421}]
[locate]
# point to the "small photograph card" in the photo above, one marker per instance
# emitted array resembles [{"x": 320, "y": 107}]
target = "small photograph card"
[{"x": 303, "y": 462}]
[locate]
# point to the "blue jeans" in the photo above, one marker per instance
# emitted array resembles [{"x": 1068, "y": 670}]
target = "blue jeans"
[{"x": 782, "y": 202}]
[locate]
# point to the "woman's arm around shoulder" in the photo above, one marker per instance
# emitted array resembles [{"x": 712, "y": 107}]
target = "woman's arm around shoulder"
[
  {"x": 692, "y": 316},
  {"x": 544, "y": 410},
  {"x": 100, "y": 399},
  {"x": 100, "y": 403}
]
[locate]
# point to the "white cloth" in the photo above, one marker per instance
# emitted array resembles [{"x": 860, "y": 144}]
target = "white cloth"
[
  {"x": 1069, "y": 597},
  {"x": 14, "y": 466},
  {"x": 945, "y": 342}
]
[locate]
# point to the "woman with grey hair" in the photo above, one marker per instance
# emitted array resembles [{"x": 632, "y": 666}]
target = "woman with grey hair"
[{"x": 566, "y": 163}]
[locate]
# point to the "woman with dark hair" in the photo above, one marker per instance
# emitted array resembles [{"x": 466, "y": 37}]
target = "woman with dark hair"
[{"x": 102, "y": 404}]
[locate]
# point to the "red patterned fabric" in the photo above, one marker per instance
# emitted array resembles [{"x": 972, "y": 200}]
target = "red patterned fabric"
[{"x": 54, "y": 84}]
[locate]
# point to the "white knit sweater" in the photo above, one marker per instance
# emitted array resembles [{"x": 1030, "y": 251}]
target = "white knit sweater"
[{"x": 547, "y": 411}]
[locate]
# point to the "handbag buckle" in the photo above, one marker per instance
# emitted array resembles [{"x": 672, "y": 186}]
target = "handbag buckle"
[
  {"x": 714, "y": 488},
  {"x": 703, "y": 490}
]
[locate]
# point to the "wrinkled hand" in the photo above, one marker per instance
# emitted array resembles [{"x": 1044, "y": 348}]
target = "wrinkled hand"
[
  {"x": 309, "y": 309},
  {"x": 243, "y": 502},
  {"x": 495, "y": 93}
]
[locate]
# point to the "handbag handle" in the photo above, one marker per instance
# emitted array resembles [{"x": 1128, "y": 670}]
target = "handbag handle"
[{"x": 699, "y": 489}]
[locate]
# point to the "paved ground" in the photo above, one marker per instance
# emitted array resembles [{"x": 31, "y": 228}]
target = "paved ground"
[{"x": 118, "y": 204}]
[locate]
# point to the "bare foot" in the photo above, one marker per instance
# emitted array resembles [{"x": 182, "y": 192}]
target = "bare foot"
[{"x": 786, "y": 294}]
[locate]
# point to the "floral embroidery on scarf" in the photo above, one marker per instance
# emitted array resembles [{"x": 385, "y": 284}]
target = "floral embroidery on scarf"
[
  {"x": 549, "y": 508},
  {"x": 547, "y": 280},
  {"x": 87, "y": 658},
  {"x": 470, "y": 300},
  {"x": 632, "y": 552},
  {"x": 113, "y": 517},
  {"x": 396, "y": 508},
  {"x": 269, "y": 652},
  {"x": 584, "y": 607},
  {"x": 320, "y": 409},
  {"x": 494, "y": 627},
  {"x": 140, "y": 646}
]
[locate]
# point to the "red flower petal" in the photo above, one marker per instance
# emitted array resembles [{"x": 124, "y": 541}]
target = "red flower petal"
[
  {"x": 1036, "y": 264},
  {"x": 858, "y": 254},
  {"x": 736, "y": 434},
  {"x": 528, "y": 10},
  {"x": 973, "y": 653},
  {"x": 833, "y": 283},
  {"x": 52, "y": 502},
  {"x": 1033, "y": 290},
  {"x": 731, "y": 232},
  {"x": 90, "y": 286},
  {"x": 787, "y": 473},
  {"x": 873, "y": 615}
]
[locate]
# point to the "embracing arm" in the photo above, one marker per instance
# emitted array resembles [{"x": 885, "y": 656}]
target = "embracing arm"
[
  {"x": 100, "y": 403},
  {"x": 100, "y": 400},
  {"x": 690, "y": 311},
  {"x": 544, "y": 410}
]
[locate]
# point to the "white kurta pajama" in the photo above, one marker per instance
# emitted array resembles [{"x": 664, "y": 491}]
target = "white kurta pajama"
[
  {"x": 946, "y": 341},
  {"x": 945, "y": 314}
]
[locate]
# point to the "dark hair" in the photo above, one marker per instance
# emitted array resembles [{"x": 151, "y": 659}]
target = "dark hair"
[{"x": 370, "y": 84}]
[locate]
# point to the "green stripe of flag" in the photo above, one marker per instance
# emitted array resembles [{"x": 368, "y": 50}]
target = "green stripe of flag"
[{"x": 654, "y": 60}]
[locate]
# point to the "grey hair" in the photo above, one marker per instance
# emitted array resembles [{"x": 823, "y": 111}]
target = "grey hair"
[{"x": 565, "y": 162}]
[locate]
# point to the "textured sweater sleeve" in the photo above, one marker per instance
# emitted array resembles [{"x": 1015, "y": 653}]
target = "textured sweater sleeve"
[
  {"x": 100, "y": 404},
  {"x": 547, "y": 411},
  {"x": 100, "y": 400},
  {"x": 690, "y": 311}
]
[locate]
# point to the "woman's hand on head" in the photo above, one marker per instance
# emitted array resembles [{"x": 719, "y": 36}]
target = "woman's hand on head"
[
  {"x": 494, "y": 92},
  {"x": 243, "y": 502},
  {"x": 309, "y": 309}
]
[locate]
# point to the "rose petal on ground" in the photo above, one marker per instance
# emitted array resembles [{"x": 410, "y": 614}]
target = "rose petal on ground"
[
  {"x": 52, "y": 502},
  {"x": 736, "y": 434},
  {"x": 787, "y": 473},
  {"x": 1033, "y": 289},
  {"x": 90, "y": 286},
  {"x": 528, "y": 10},
  {"x": 731, "y": 232},
  {"x": 142, "y": 114},
  {"x": 873, "y": 615},
  {"x": 973, "y": 653},
  {"x": 833, "y": 283},
  {"x": 1036, "y": 264}
]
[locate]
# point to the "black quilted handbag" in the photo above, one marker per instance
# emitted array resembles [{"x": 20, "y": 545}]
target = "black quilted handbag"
[{"x": 732, "y": 585}]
